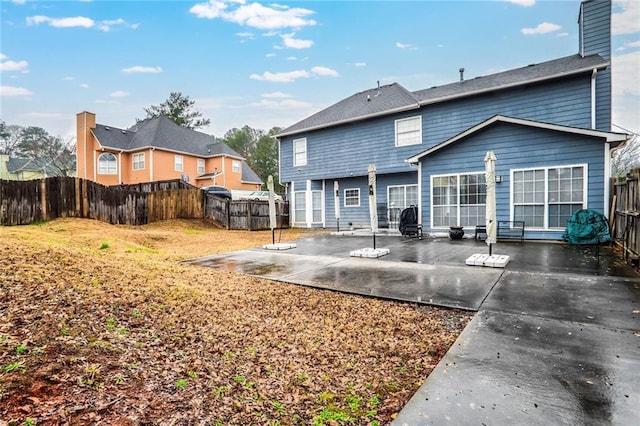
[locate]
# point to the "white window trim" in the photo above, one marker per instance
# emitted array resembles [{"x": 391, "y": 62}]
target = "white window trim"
[
  {"x": 175, "y": 163},
  {"x": 115, "y": 172},
  {"x": 457, "y": 175},
  {"x": 295, "y": 142},
  {"x": 585, "y": 179},
  {"x": 419, "y": 118},
  {"x": 236, "y": 166},
  {"x": 345, "y": 197},
  {"x": 201, "y": 166},
  {"x": 133, "y": 165}
]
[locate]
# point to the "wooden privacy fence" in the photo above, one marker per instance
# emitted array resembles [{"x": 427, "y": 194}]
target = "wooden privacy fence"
[
  {"x": 626, "y": 215},
  {"x": 245, "y": 214},
  {"x": 27, "y": 202}
]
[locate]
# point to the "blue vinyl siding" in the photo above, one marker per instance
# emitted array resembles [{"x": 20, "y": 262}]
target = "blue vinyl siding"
[
  {"x": 347, "y": 150},
  {"x": 516, "y": 147}
]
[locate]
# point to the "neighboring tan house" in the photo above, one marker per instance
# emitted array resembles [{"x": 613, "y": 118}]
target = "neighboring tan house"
[
  {"x": 28, "y": 169},
  {"x": 549, "y": 125},
  {"x": 157, "y": 149}
]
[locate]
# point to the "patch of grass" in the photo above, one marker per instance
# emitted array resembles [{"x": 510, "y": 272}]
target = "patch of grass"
[
  {"x": 15, "y": 366},
  {"x": 104, "y": 245},
  {"x": 181, "y": 384},
  {"x": 21, "y": 349}
]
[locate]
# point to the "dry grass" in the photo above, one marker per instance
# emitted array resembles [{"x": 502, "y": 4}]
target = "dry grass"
[{"x": 102, "y": 324}]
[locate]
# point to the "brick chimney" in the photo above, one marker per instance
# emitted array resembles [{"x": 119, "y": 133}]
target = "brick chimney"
[{"x": 85, "y": 121}]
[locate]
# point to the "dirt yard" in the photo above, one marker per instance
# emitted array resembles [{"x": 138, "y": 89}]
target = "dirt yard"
[{"x": 102, "y": 324}]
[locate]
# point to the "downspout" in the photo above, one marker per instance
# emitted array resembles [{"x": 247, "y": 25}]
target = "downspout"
[
  {"x": 120, "y": 167},
  {"x": 607, "y": 177},
  {"x": 151, "y": 163},
  {"x": 224, "y": 169},
  {"x": 593, "y": 98},
  {"x": 420, "y": 192}
]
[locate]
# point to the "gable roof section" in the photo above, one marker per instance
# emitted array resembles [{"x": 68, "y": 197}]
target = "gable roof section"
[
  {"x": 248, "y": 175},
  {"x": 394, "y": 98},
  {"x": 161, "y": 133},
  {"x": 606, "y": 136},
  {"x": 368, "y": 104}
]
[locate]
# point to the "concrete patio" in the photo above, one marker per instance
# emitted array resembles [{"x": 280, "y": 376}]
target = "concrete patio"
[{"x": 556, "y": 339}]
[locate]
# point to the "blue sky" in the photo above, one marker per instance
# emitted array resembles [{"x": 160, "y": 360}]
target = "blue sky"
[{"x": 267, "y": 64}]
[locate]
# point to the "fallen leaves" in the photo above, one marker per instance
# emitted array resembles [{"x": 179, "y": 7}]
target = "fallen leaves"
[{"x": 125, "y": 334}]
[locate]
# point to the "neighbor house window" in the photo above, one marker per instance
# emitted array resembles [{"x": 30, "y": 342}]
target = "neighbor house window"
[
  {"x": 200, "y": 166},
  {"x": 235, "y": 166},
  {"x": 300, "y": 152},
  {"x": 178, "y": 163},
  {"x": 352, "y": 197},
  {"x": 107, "y": 164},
  {"x": 409, "y": 131},
  {"x": 138, "y": 161},
  {"x": 458, "y": 200},
  {"x": 547, "y": 197},
  {"x": 300, "y": 211}
]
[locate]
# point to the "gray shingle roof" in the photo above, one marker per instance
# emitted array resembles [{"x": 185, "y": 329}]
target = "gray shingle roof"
[
  {"x": 248, "y": 175},
  {"x": 395, "y": 98},
  {"x": 163, "y": 133}
]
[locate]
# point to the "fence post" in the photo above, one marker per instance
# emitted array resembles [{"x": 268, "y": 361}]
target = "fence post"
[{"x": 43, "y": 198}]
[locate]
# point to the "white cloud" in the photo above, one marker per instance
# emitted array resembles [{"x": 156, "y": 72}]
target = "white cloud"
[
  {"x": 281, "y": 77},
  {"x": 275, "y": 95},
  {"x": 288, "y": 77},
  {"x": 627, "y": 20},
  {"x": 14, "y": 91},
  {"x": 324, "y": 71},
  {"x": 68, "y": 78},
  {"x": 14, "y": 66},
  {"x": 294, "y": 43},
  {"x": 3, "y": 56},
  {"x": 633, "y": 44},
  {"x": 138, "y": 69},
  {"x": 84, "y": 85},
  {"x": 78, "y": 21},
  {"x": 19, "y": 1},
  {"x": 626, "y": 91},
  {"x": 543, "y": 28},
  {"x": 360, "y": 64},
  {"x": 119, "y": 94},
  {"x": 562, "y": 35},
  {"x": 525, "y": 3},
  {"x": 254, "y": 14},
  {"x": 400, "y": 45},
  {"x": 280, "y": 105}
]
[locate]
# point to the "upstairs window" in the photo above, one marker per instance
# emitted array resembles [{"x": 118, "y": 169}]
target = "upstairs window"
[
  {"x": 107, "y": 164},
  {"x": 409, "y": 131},
  {"x": 300, "y": 152},
  {"x": 235, "y": 166},
  {"x": 178, "y": 163},
  {"x": 138, "y": 161},
  {"x": 200, "y": 166}
]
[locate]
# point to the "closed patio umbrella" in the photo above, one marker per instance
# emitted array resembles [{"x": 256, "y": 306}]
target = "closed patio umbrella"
[
  {"x": 336, "y": 191},
  {"x": 490, "y": 210},
  {"x": 373, "y": 211}
]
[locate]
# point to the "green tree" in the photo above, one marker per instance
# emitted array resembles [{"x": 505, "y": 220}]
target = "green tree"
[
  {"x": 266, "y": 156},
  {"x": 180, "y": 109},
  {"x": 9, "y": 138},
  {"x": 244, "y": 142},
  {"x": 51, "y": 153}
]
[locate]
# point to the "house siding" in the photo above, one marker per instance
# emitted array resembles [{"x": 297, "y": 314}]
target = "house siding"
[{"x": 516, "y": 147}]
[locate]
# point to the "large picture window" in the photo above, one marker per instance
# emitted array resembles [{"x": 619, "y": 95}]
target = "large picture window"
[
  {"x": 138, "y": 161},
  {"x": 300, "y": 152},
  {"x": 107, "y": 164},
  {"x": 352, "y": 197},
  {"x": 409, "y": 131},
  {"x": 547, "y": 197},
  {"x": 458, "y": 200}
]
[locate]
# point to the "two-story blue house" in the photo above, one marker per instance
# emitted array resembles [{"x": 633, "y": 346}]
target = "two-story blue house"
[{"x": 548, "y": 125}]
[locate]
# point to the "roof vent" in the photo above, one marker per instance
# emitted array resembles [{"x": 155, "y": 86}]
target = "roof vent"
[
  {"x": 124, "y": 132},
  {"x": 461, "y": 70},
  {"x": 106, "y": 128}
]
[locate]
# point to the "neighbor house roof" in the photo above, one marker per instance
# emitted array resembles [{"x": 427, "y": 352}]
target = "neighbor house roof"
[
  {"x": 161, "y": 133},
  {"x": 394, "y": 98},
  {"x": 16, "y": 165},
  {"x": 605, "y": 136}
]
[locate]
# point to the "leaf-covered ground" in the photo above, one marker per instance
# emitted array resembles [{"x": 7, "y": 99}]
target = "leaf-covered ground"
[{"x": 102, "y": 324}]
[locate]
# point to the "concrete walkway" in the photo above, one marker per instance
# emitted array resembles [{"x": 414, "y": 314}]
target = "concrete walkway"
[{"x": 556, "y": 339}]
